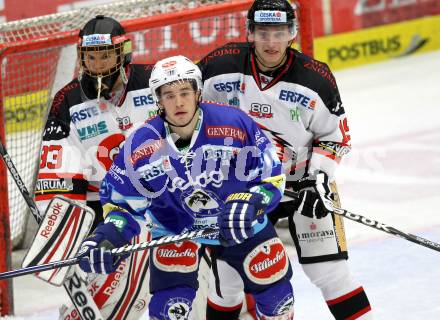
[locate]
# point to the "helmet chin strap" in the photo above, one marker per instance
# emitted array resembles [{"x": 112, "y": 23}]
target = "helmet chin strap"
[
  {"x": 99, "y": 86},
  {"x": 102, "y": 84},
  {"x": 105, "y": 85}
]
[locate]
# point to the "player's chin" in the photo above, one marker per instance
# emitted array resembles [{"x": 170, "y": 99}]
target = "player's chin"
[
  {"x": 180, "y": 120},
  {"x": 272, "y": 57}
]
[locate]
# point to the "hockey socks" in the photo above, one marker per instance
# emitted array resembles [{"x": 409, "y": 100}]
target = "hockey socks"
[
  {"x": 172, "y": 303},
  {"x": 216, "y": 312},
  {"x": 345, "y": 298},
  {"x": 351, "y": 306}
]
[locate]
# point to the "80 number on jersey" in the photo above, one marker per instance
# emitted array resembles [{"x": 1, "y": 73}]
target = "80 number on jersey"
[{"x": 261, "y": 110}]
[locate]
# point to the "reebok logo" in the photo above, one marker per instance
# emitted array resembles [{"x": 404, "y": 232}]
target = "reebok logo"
[{"x": 56, "y": 210}]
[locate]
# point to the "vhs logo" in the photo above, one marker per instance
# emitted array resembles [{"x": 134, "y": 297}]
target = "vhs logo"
[{"x": 92, "y": 130}]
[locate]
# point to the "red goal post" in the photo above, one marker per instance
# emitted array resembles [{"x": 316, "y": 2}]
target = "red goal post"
[{"x": 38, "y": 57}]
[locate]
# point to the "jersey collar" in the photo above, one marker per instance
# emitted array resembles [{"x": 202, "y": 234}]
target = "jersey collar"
[
  {"x": 170, "y": 137},
  {"x": 283, "y": 70}
]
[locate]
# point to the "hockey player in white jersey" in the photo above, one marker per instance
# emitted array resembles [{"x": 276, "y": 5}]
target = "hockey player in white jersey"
[
  {"x": 295, "y": 99},
  {"x": 88, "y": 122},
  {"x": 197, "y": 166}
]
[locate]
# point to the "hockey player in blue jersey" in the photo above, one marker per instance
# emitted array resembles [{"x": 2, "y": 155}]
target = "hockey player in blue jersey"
[{"x": 195, "y": 166}]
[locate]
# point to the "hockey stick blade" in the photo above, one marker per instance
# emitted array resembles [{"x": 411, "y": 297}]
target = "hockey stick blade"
[
  {"x": 205, "y": 233},
  {"x": 378, "y": 225}
]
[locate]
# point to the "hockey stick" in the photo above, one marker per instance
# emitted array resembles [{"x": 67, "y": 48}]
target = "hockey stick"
[
  {"x": 75, "y": 287},
  {"x": 378, "y": 225},
  {"x": 204, "y": 233},
  {"x": 20, "y": 184}
]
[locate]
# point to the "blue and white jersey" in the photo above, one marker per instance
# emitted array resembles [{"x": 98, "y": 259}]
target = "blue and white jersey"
[{"x": 183, "y": 190}]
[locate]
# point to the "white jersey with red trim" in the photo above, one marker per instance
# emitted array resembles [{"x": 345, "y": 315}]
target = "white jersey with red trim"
[
  {"x": 82, "y": 136},
  {"x": 298, "y": 105},
  {"x": 300, "y": 108}
]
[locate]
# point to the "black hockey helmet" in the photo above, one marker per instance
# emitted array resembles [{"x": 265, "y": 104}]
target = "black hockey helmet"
[
  {"x": 104, "y": 34},
  {"x": 271, "y": 12}
]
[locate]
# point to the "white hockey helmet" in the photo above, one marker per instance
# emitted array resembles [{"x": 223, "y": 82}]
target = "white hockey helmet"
[{"x": 176, "y": 68}]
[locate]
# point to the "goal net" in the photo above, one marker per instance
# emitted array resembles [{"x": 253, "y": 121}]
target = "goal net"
[{"x": 38, "y": 57}]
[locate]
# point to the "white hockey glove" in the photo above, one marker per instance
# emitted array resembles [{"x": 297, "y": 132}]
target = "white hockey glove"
[
  {"x": 65, "y": 225},
  {"x": 315, "y": 196}
]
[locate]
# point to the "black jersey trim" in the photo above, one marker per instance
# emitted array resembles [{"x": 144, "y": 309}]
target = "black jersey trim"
[{"x": 274, "y": 81}]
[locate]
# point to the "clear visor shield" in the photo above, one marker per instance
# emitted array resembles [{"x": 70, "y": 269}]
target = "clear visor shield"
[
  {"x": 101, "y": 60},
  {"x": 182, "y": 94},
  {"x": 183, "y": 88},
  {"x": 269, "y": 35}
]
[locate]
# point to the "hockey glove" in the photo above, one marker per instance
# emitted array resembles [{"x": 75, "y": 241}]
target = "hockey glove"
[
  {"x": 117, "y": 231},
  {"x": 236, "y": 220},
  {"x": 315, "y": 196}
]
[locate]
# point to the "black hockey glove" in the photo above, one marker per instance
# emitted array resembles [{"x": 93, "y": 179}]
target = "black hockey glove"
[{"x": 315, "y": 196}]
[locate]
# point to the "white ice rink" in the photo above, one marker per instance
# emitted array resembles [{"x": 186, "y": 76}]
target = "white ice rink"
[{"x": 392, "y": 175}]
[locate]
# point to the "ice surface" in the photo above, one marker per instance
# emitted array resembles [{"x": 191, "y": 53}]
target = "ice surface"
[{"x": 392, "y": 175}]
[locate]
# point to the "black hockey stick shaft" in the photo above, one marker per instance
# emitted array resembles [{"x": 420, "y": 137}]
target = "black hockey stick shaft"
[
  {"x": 116, "y": 252},
  {"x": 378, "y": 225},
  {"x": 88, "y": 305},
  {"x": 20, "y": 183}
]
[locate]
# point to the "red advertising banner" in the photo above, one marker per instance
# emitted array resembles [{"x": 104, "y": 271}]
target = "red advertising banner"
[
  {"x": 329, "y": 16},
  {"x": 193, "y": 40},
  {"x": 22, "y": 9},
  {"x": 348, "y": 15}
]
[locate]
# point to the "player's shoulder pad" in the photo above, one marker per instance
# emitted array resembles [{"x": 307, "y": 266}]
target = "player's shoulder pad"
[
  {"x": 148, "y": 138},
  {"x": 66, "y": 97},
  {"x": 227, "y": 114},
  {"x": 55, "y": 129},
  {"x": 317, "y": 76},
  {"x": 225, "y": 59},
  {"x": 58, "y": 121},
  {"x": 139, "y": 76}
]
